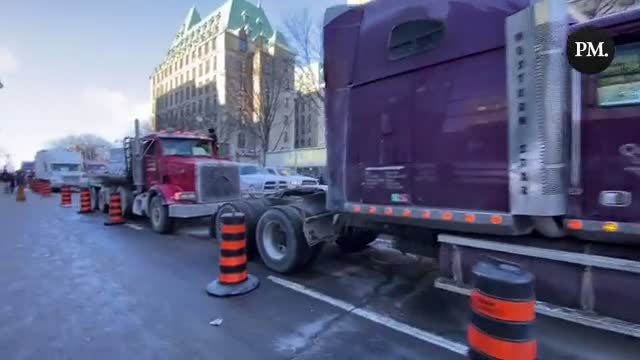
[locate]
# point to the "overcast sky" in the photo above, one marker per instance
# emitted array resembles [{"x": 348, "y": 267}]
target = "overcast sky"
[{"x": 78, "y": 66}]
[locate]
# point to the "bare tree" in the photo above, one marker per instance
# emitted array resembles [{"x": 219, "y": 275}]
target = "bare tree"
[
  {"x": 262, "y": 87},
  {"x": 596, "y": 8},
  {"x": 304, "y": 35},
  {"x": 91, "y": 146}
]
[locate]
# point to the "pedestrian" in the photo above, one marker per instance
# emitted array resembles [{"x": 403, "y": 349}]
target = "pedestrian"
[
  {"x": 214, "y": 138},
  {"x": 12, "y": 183}
]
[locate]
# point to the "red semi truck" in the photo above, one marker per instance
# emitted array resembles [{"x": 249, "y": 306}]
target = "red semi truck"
[
  {"x": 165, "y": 176},
  {"x": 459, "y": 128}
]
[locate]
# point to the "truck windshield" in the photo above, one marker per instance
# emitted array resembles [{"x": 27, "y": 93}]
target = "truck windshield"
[
  {"x": 619, "y": 84},
  {"x": 186, "y": 147},
  {"x": 65, "y": 167}
]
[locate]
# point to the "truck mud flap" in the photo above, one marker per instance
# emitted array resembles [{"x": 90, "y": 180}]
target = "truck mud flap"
[{"x": 580, "y": 282}]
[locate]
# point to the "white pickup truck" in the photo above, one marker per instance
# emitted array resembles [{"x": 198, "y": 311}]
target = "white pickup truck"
[
  {"x": 60, "y": 167},
  {"x": 256, "y": 181},
  {"x": 295, "y": 179}
]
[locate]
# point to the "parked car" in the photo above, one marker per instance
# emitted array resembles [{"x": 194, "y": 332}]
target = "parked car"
[
  {"x": 295, "y": 179},
  {"x": 257, "y": 181}
]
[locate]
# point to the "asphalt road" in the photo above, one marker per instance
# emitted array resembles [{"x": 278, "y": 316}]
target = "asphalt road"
[{"x": 71, "y": 288}]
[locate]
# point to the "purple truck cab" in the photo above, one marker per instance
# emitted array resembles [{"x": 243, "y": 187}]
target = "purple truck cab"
[{"x": 434, "y": 125}]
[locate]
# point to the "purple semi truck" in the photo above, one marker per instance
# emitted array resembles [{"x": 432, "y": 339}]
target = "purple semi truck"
[{"x": 459, "y": 128}]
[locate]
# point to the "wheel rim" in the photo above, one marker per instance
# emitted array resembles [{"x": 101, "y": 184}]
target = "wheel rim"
[
  {"x": 275, "y": 241},
  {"x": 155, "y": 215}
]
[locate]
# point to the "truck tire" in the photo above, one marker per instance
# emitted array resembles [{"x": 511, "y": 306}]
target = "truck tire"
[
  {"x": 252, "y": 210},
  {"x": 352, "y": 242},
  {"x": 94, "y": 198},
  {"x": 126, "y": 197},
  {"x": 281, "y": 242},
  {"x": 159, "y": 216},
  {"x": 103, "y": 201}
]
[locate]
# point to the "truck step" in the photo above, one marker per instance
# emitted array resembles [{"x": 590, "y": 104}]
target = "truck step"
[{"x": 572, "y": 315}]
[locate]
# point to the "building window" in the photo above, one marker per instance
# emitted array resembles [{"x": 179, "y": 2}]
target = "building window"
[
  {"x": 200, "y": 107},
  {"x": 193, "y": 107},
  {"x": 207, "y": 67},
  {"x": 244, "y": 45},
  {"x": 193, "y": 74},
  {"x": 200, "y": 70},
  {"x": 414, "y": 37},
  {"x": 286, "y": 103},
  {"x": 214, "y": 63},
  {"x": 200, "y": 51},
  {"x": 286, "y": 137},
  {"x": 242, "y": 140},
  {"x": 286, "y": 120}
]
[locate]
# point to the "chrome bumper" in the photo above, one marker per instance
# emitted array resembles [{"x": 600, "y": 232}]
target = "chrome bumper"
[{"x": 185, "y": 211}]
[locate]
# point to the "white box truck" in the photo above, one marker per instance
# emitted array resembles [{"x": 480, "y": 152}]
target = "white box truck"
[{"x": 60, "y": 167}]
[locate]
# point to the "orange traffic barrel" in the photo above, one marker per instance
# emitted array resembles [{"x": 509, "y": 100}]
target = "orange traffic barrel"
[
  {"x": 116, "y": 216},
  {"x": 65, "y": 196},
  {"x": 85, "y": 201},
  {"x": 234, "y": 278},
  {"x": 46, "y": 189},
  {"x": 503, "y": 312},
  {"x": 20, "y": 194}
]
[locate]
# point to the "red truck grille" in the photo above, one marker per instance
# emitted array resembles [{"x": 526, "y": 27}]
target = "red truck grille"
[{"x": 218, "y": 182}]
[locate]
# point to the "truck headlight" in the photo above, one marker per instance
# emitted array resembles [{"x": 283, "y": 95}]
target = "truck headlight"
[{"x": 185, "y": 196}]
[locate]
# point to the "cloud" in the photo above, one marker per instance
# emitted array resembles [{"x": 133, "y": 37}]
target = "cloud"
[
  {"x": 114, "y": 110},
  {"x": 8, "y": 62}
]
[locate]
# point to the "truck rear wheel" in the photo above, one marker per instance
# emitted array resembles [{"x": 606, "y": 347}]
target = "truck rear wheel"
[
  {"x": 355, "y": 241},
  {"x": 159, "y": 216},
  {"x": 252, "y": 210},
  {"x": 281, "y": 241}
]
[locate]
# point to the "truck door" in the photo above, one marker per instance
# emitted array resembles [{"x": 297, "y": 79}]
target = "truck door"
[
  {"x": 609, "y": 135},
  {"x": 150, "y": 154}
]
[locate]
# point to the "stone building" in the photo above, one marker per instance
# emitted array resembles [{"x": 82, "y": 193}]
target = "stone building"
[
  {"x": 232, "y": 71},
  {"x": 309, "y": 108}
]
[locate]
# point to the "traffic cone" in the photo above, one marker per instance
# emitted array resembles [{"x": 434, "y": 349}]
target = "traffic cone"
[
  {"x": 20, "y": 194},
  {"x": 115, "y": 210},
  {"x": 234, "y": 279},
  {"x": 503, "y": 312},
  {"x": 85, "y": 201},
  {"x": 65, "y": 197},
  {"x": 46, "y": 189}
]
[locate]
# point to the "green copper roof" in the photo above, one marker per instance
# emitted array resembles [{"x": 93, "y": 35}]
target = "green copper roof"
[
  {"x": 192, "y": 19},
  {"x": 234, "y": 15}
]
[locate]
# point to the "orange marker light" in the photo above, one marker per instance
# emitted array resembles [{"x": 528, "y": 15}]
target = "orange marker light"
[
  {"x": 574, "y": 225},
  {"x": 610, "y": 227},
  {"x": 496, "y": 220},
  {"x": 426, "y": 214},
  {"x": 406, "y": 213},
  {"x": 372, "y": 210},
  {"x": 447, "y": 216},
  {"x": 357, "y": 209},
  {"x": 388, "y": 211},
  {"x": 470, "y": 218}
]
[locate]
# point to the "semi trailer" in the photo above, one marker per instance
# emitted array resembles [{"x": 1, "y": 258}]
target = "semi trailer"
[
  {"x": 165, "y": 176},
  {"x": 459, "y": 128}
]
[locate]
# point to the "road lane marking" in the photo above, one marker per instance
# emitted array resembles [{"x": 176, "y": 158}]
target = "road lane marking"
[
  {"x": 375, "y": 317},
  {"x": 135, "y": 226}
]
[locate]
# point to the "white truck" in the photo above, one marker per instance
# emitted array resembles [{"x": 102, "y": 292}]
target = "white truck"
[{"x": 60, "y": 167}]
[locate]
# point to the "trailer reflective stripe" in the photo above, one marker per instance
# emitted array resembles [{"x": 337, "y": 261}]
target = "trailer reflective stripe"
[
  {"x": 433, "y": 214},
  {"x": 603, "y": 226}
]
